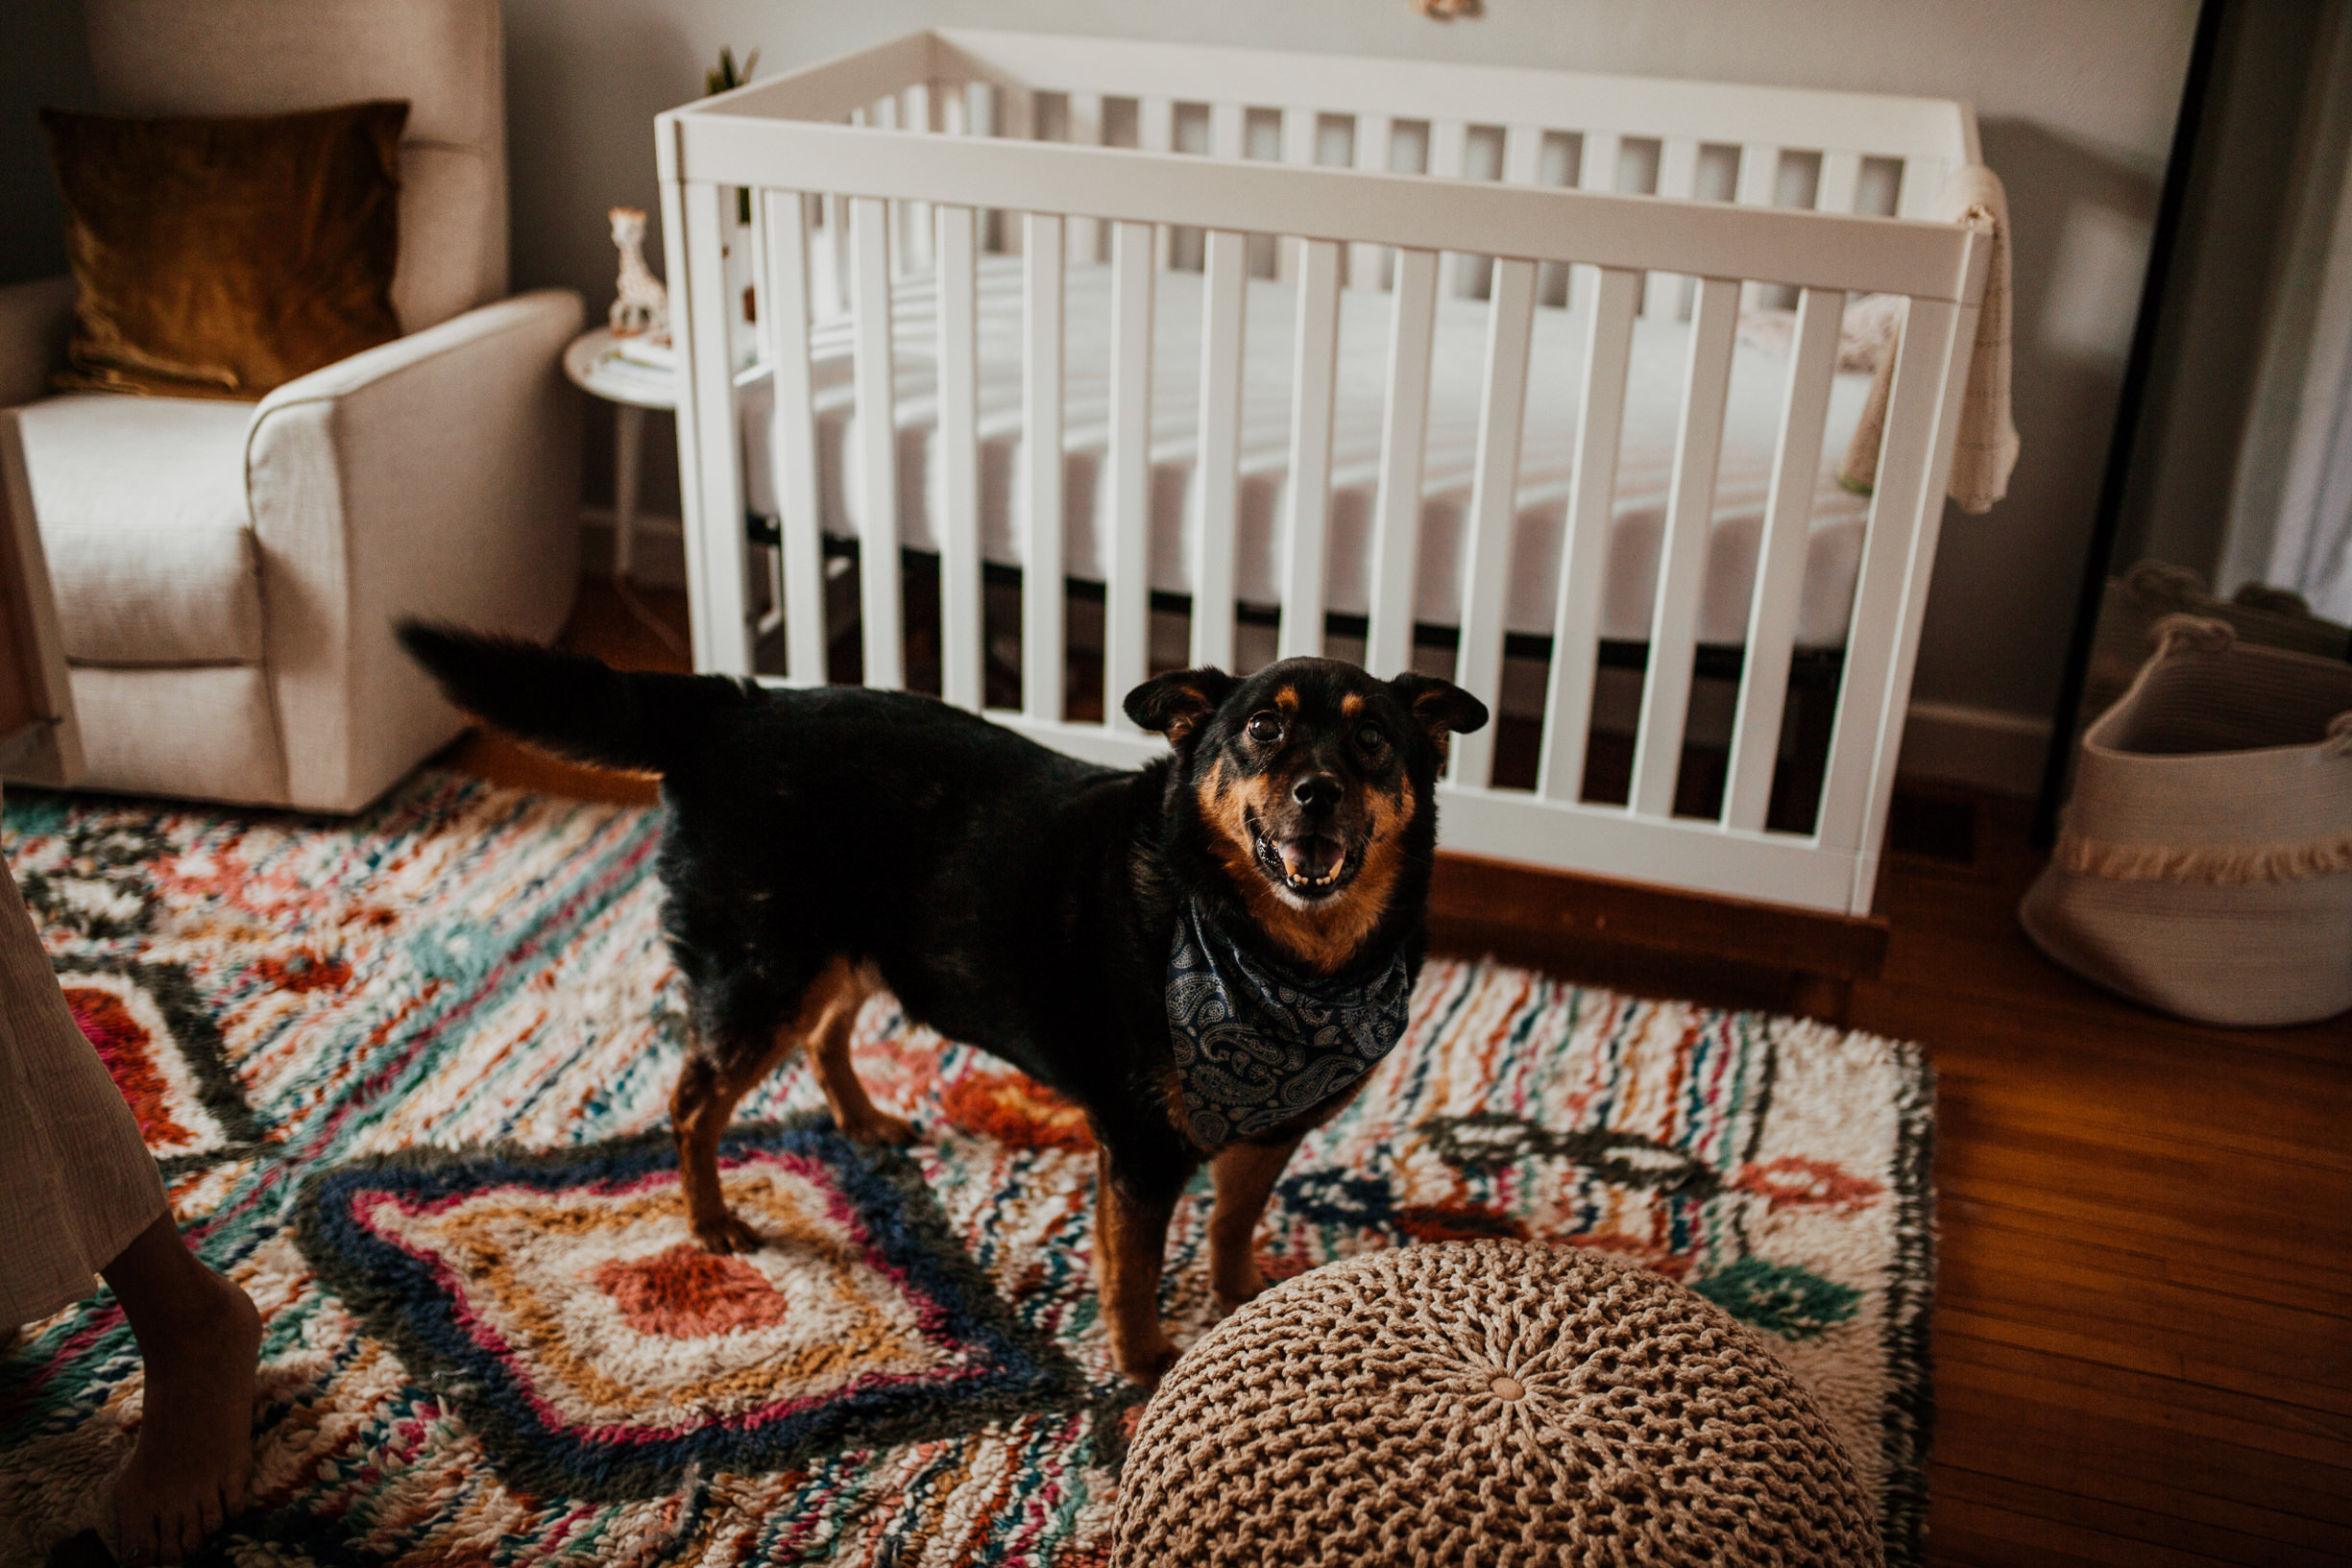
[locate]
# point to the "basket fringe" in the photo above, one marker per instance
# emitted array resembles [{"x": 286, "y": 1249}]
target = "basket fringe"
[{"x": 2171, "y": 863}]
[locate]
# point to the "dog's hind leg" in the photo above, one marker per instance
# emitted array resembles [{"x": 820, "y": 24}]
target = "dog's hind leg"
[
  {"x": 718, "y": 1075},
  {"x": 1244, "y": 1175},
  {"x": 699, "y": 1110},
  {"x": 827, "y": 1040}
]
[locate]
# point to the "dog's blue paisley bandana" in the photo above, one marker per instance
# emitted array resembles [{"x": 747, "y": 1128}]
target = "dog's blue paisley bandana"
[{"x": 1255, "y": 1047}]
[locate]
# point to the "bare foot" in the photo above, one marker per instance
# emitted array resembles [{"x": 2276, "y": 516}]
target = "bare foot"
[{"x": 195, "y": 1451}]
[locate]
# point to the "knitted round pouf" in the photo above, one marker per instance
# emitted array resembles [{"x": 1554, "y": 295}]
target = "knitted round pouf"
[{"x": 1490, "y": 1403}]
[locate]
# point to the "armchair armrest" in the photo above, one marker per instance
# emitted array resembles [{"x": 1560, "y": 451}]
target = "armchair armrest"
[
  {"x": 35, "y": 319},
  {"x": 434, "y": 475}
]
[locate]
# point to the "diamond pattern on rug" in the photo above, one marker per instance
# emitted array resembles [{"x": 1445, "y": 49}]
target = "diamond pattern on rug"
[
  {"x": 164, "y": 1051},
  {"x": 601, "y": 1352}
]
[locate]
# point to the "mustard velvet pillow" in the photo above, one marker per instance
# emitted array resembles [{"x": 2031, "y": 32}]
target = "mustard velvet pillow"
[{"x": 223, "y": 257}]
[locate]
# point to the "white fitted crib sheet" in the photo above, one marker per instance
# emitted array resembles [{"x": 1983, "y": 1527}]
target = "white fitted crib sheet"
[{"x": 1653, "y": 407}]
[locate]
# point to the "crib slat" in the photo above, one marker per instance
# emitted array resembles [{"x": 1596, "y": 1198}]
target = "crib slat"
[
  {"x": 1897, "y": 551},
  {"x": 792, "y": 437},
  {"x": 1759, "y": 171},
  {"x": 1297, "y": 147},
  {"x": 1396, "y": 514},
  {"x": 1085, "y": 129},
  {"x": 878, "y": 601},
  {"x": 1225, "y": 129},
  {"x": 1597, "y": 169},
  {"x": 1223, "y": 293},
  {"x": 1600, "y": 421},
  {"x": 920, "y": 111},
  {"x": 1314, "y": 371},
  {"x": 1841, "y": 174},
  {"x": 834, "y": 281},
  {"x": 1041, "y": 461},
  {"x": 1449, "y": 147},
  {"x": 1511, "y": 318},
  {"x": 1691, "y": 508},
  {"x": 1522, "y": 153},
  {"x": 1367, "y": 262},
  {"x": 1678, "y": 177},
  {"x": 1127, "y": 578},
  {"x": 960, "y": 632},
  {"x": 888, "y": 114},
  {"x": 1779, "y": 560},
  {"x": 1923, "y": 187},
  {"x": 1155, "y": 132},
  {"x": 1016, "y": 120},
  {"x": 714, "y": 492}
]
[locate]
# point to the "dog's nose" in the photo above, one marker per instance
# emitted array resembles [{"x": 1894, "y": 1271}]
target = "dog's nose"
[{"x": 1316, "y": 791}]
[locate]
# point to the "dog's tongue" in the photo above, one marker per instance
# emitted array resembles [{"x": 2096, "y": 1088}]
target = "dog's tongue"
[{"x": 1310, "y": 858}]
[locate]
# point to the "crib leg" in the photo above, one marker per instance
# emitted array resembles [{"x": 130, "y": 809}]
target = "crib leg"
[{"x": 1823, "y": 996}]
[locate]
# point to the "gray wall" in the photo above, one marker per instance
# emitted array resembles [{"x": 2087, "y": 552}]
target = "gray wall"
[{"x": 2077, "y": 103}]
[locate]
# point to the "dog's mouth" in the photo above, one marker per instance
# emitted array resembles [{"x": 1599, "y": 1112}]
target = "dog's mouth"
[{"x": 1310, "y": 867}]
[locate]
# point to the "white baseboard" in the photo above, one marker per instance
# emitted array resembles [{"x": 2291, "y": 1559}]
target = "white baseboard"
[
  {"x": 1984, "y": 747},
  {"x": 1954, "y": 742}
]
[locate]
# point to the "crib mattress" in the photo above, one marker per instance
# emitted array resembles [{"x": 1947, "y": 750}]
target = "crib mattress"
[{"x": 1653, "y": 406}]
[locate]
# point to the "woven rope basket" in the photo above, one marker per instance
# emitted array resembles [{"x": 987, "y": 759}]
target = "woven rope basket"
[
  {"x": 1492, "y": 1403},
  {"x": 2205, "y": 866}
]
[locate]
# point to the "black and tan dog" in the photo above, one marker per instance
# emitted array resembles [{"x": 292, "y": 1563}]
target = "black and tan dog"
[{"x": 823, "y": 843}]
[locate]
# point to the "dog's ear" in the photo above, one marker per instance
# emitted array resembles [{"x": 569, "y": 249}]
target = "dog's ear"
[
  {"x": 1179, "y": 703},
  {"x": 1440, "y": 707}
]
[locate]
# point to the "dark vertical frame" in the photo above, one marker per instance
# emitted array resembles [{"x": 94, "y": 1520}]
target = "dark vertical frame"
[{"x": 2058, "y": 767}]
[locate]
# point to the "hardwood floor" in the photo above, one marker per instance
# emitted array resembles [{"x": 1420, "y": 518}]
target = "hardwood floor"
[{"x": 2143, "y": 1334}]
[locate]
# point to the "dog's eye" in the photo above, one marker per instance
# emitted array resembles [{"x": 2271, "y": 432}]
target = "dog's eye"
[
  {"x": 1266, "y": 728},
  {"x": 1372, "y": 739}
]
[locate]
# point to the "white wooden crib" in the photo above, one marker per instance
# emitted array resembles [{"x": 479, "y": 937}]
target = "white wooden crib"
[{"x": 1160, "y": 318}]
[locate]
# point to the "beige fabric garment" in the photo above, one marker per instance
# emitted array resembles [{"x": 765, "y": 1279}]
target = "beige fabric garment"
[
  {"x": 76, "y": 1180},
  {"x": 1987, "y": 446}
]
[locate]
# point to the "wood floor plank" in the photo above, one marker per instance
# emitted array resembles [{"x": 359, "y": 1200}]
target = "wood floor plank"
[
  {"x": 2055, "y": 1542},
  {"x": 2105, "y": 1343},
  {"x": 2125, "y": 1256},
  {"x": 2158, "y": 1533},
  {"x": 1981, "y": 1418},
  {"x": 2105, "y": 1392},
  {"x": 2146, "y": 1474}
]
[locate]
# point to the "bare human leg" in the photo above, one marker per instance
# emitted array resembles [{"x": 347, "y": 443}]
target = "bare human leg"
[
  {"x": 199, "y": 1337},
  {"x": 1244, "y": 1175}
]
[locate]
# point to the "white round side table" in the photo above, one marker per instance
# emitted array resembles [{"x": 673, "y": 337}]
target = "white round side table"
[{"x": 591, "y": 363}]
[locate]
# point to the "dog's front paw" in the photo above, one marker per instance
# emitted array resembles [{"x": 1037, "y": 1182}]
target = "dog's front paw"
[
  {"x": 877, "y": 1127},
  {"x": 726, "y": 1234},
  {"x": 1146, "y": 1360}
]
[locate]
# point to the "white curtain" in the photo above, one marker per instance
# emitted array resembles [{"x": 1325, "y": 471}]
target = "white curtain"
[{"x": 2290, "y": 514}]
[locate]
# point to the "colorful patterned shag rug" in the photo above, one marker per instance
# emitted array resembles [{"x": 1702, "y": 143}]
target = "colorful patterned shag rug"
[{"x": 408, "y": 1076}]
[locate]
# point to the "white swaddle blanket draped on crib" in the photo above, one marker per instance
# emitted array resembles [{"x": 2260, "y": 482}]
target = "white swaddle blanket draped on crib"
[{"x": 1653, "y": 408}]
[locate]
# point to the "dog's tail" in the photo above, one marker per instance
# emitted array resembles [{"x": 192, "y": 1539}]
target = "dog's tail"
[{"x": 569, "y": 704}]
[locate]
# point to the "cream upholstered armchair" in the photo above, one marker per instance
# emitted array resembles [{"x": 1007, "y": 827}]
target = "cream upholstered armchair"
[{"x": 227, "y": 574}]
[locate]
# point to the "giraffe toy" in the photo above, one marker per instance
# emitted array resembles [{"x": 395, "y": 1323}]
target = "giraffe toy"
[{"x": 641, "y": 306}]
